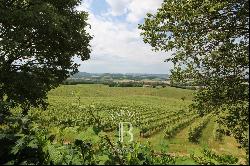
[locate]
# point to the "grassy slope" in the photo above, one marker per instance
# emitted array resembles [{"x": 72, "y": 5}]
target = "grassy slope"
[{"x": 105, "y": 91}]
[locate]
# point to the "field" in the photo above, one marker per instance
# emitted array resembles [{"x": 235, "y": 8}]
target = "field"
[{"x": 160, "y": 117}]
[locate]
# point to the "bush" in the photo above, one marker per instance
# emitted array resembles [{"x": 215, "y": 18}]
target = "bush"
[
  {"x": 24, "y": 142},
  {"x": 195, "y": 130}
]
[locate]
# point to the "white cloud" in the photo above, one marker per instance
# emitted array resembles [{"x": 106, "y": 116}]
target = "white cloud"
[
  {"x": 118, "y": 7},
  {"x": 118, "y": 47},
  {"x": 135, "y": 9},
  {"x": 85, "y": 5},
  {"x": 115, "y": 38},
  {"x": 138, "y": 9}
]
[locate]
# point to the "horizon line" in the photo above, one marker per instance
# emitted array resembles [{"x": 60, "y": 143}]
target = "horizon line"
[{"x": 118, "y": 73}]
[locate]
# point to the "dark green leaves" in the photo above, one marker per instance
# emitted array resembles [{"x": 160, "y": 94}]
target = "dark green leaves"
[
  {"x": 210, "y": 41},
  {"x": 38, "y": 40}
]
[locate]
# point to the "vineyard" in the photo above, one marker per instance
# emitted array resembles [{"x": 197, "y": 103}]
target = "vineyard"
[{"x": 84, "y": 119}]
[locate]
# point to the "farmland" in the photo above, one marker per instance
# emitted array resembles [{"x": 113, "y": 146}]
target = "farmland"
[{"x": 160, "y": 117}]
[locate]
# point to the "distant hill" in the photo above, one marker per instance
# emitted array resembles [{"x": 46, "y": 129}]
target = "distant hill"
[{"x": 132, "y": 76}]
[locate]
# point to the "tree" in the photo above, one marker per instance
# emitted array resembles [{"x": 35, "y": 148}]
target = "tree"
[
  {"x": 210, "y": 42},
  {"x": 38, "y": 42}
]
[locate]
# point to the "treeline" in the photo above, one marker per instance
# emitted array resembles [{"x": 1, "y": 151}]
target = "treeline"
[
  {"x": 116, "y": 84},
  {"x": 136, "y": 84},
  {"x": 184, "y": 87},
  {"x": 124, "y": 84},
  {"x": 132, "y": 84},
  {"x": 74, "y": 82}
]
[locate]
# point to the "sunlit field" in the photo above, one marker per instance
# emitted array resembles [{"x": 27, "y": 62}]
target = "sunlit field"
[{"x": 160, "y": 117}]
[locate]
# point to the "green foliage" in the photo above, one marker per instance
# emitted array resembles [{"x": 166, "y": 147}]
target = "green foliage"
[
  {"x": 72, "y": 133},
  {"x": 135, "y": 84},
  {"x": 134, "y": 154},
  {"x": 38, "y": 42},
  {"x": 125, "y": 84},
  {"x": 195, "y": 130},
  {"x": 35, "y": 144},
  {"x": 172, "y": 130},
  {"x": 218, "y": 132},
  {"x": 210, "y": 158},
  {"x": 211, "y": 46},
  {"x": 151, "y": 126}
]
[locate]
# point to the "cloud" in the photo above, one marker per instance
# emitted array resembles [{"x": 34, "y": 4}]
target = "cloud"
[
  {"x": 117, "y": 39},
  {"x": 117, "y": 46},
  {"x": 118, "y": 7},
  {"x": 85, "y": 5},
  {"x": 137, "y": 9}
]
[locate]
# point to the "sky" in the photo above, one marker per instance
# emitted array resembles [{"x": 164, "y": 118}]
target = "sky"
[{"x": 117, "y": 46}]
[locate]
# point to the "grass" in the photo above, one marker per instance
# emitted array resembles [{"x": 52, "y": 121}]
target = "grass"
[{"x": 97, "y": 90}]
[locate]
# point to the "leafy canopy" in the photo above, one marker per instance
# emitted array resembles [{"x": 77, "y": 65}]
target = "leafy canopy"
[
  {"x": 38, "y": 42},
  {"x": 210, "y": 42}
]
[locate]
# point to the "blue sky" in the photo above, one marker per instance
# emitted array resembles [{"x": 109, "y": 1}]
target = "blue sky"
[{"x": 117, "y": 46}]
